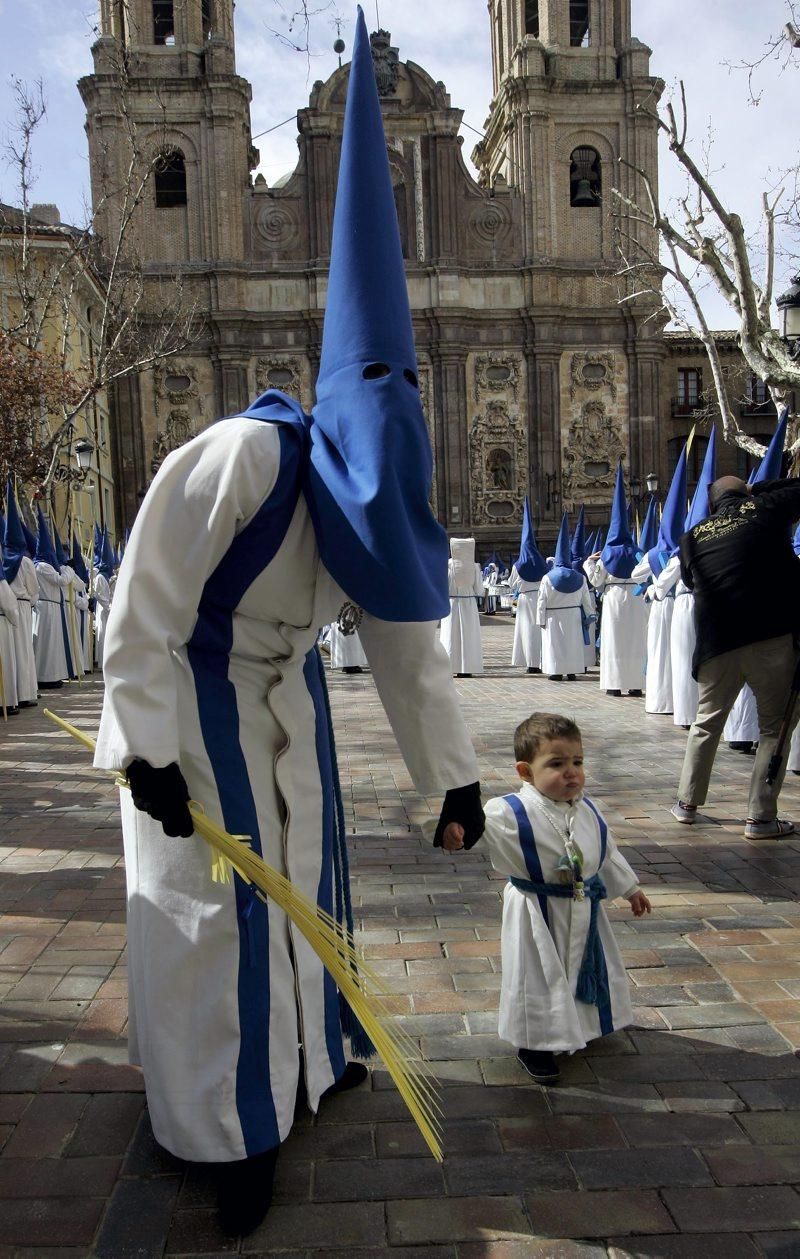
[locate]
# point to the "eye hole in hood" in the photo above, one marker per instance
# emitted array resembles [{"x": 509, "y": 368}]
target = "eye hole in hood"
[{"x": 374, "y": 371}]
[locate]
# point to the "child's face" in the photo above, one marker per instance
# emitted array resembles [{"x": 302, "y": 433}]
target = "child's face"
[{"x": 556, "y": 770}]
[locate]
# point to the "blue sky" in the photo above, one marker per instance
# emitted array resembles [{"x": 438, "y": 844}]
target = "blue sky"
[{"x": 691, "y": 39}]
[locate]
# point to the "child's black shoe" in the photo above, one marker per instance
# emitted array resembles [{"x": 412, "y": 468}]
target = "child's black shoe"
[{"x": 540, "y": 1064}]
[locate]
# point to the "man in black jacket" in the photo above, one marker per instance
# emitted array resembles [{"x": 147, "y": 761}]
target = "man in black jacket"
[{"x": 746, "y": 582}]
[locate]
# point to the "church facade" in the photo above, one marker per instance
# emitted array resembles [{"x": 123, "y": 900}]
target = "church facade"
[{"x": 535, "y": 378}]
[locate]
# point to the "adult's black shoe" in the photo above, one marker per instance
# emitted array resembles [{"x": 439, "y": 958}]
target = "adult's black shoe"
[
  {"x": 555, "y": 677},
  {"x": 244, "y": 1192},
  {"x": 28, "y": 703},
  {"x": 355, "y": 1073},
  {"x": 352, "y": 668},
  {"x": 571, "y": 677},
  {"x": 540, "y": 1064},
  {"x": 13, "y": 711},
  {"x": 637, "y": 694},
  {"x": 741, "y": 745},
  {"x": 613, "y": 692},
  {"x": 50, "y": 686}
]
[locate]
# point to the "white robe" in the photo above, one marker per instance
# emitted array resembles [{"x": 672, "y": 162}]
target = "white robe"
[
  {"x": 210, "y": 661},
  {"x": 461, "y": 630},
  {"x": 48, "y": 633},
  {"x": 82, "y": 614},
  {"x": 793, "y": 763},
  {"x": 70, "y": 586},
  {"x": 25, "y": 587},
  {"x": 9, "y": 620},
  {"x": 559, "y": 617},
  {"x": 658, "y": 675},
  {"x": 527, "y": 649},
  {"x": 102, "y": 594},
  {"x": 682, "y": 640},
  {"x": 623, "y": 638},
  {"x": 345, "y": 649},
  {"x": 541, "y": 957},
  {"x": 742, "y": 723}
]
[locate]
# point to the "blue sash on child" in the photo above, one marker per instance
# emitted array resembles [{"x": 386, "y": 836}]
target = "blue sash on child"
[{"x": 592, "y": 985}]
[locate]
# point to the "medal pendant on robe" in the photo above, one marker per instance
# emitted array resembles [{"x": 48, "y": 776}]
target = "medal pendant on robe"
[
  {"x": 578, "y": 892},
  {"x": 349, "y": 618}
]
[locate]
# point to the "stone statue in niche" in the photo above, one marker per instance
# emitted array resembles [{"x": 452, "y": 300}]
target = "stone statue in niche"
[
  {"x": 496, "y": 372},
  {"x": 498, "y": 464}
]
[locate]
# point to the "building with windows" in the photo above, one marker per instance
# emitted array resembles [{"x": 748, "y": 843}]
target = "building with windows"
[
  {"x": 534, "y": 378},
  {"x": 51, "y": 298}
]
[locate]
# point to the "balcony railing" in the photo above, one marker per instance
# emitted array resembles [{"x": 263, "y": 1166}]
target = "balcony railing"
[
  {"x": 750, "y": 408},
  {"x": 686, "y": 406}
]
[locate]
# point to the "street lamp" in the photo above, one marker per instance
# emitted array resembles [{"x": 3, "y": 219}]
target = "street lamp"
[
  {"x": 84, "y": 450},
  {"x": 651, "y": 481},
  {"x": 636, "y": 490},
  {"x": 789, "y": 316}
]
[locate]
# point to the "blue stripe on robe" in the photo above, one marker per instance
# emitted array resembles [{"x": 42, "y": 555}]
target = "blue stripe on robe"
[
  {"x": 528, "y": 845},
  {"x": 315, "y": 681},
  {"x": 209, "y": 656}
]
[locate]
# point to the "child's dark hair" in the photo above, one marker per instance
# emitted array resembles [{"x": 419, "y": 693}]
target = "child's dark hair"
[{"x": 530, "y": 733}]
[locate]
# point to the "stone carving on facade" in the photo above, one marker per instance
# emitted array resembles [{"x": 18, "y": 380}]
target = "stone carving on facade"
[
  {"x": 386, "y": 62},
  {"x": 175, "y": 383},
  {"x": 178, "y": 430},
  {"x": 498, "y": 464},
  {"x": 594, "y": 445},
  {"x": 491, "y": 222},
  {"x": 276, "y": 226},
  {"x": 426, "y": 398},
  {"x": 496, "y": 372},
  {"x": 278, "y": 371},
  {"x": 592, "y": 369}
]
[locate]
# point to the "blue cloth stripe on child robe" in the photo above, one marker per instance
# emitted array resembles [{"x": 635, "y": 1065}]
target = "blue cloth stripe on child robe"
[{"x": 528, "y": 845}]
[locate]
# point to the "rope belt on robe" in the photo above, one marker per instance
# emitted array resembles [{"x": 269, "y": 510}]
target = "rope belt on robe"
[
  {"x": 563, "y": 608},
  {"x": 592, "y": 987}
]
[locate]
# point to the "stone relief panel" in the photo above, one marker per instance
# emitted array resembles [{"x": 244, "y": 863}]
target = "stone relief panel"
[
  {"x": 176, "y": 407},
  {"x": 595, "y": 425},
  {"x": 498, "y": 446},
  {"x": 288, "y": 372},
  {"x": 425, "y": 378}
]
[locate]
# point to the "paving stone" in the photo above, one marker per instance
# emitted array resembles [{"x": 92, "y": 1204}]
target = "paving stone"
[
  {"x": 396, "y": 1140},
  {"x": 771, "y": 1127},
  {"x": 61, "y": 1222},
  {"x": 353, "y": 1180},
  {"x": 529, "y": 1248},
  {"x": 778, "y": 1245},
  {"x": 479, "y": 1218},
  {"x": 137, "y": 1222},
  {"x": 46, "y": 1126},
  {"x": 737, "y": 1210},
  {"x": 57, "y": 1177},
  {"x": 684, "y": 1129},
  {"x": 313, "y": 1225},
  {"x": 640, "y": 1168},
  {"x": 685, "y": 1246},
  {"x": 612, "y": 1213},
  {"x": 754, "y": 1165},
  {"x": 508, "y": 1173},
  {"x": 106, "y": 1124}
]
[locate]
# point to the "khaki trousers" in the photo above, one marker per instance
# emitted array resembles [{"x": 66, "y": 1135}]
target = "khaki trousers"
[{"x": 769, "y": 668}]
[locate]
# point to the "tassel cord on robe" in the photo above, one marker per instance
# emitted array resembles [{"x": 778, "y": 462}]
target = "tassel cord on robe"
[{"x": 592, "y": 986}]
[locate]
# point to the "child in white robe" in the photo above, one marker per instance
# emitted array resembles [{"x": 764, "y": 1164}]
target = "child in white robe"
[{"x": 563, "y": 978}]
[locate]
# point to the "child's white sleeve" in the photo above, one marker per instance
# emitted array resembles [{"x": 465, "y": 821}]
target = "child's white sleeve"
[
  {"x": 617, "y": 874},
  {"x": 502, "y": 839}
]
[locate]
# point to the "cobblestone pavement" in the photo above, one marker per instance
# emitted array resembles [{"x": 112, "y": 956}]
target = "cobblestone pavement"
[{"x": 679, "y": 1137}]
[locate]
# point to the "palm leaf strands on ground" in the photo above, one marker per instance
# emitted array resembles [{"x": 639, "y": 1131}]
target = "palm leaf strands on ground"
[{"x": 363, "y": 990}]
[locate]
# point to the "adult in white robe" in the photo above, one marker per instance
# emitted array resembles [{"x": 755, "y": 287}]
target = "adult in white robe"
[
  {"x": 48, "y": 633},
  {"x": 461, "y": 630},
  {"x": 527, "y": 648},
  {"x": 70, "y": 587},
  {"x": 210, "y": 662},
  {"x": 346, "y": 651},
  {"x": 658, "y": 670},
  {"x": 741, "y": 725},
  {"x": 543, "y": 937},
  {"x": 9, "y": 620},
  {"x": 623, "y": 642},
  {"x": 682, "y": 642},
  {"x": 25, "y": 588},
  {"x": 101, "y": 593},
  {"x": 559, "y": 615}
]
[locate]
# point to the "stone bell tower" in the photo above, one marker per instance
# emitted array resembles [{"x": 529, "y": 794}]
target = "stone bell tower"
[
  {"x": 165, "y": 82},
  {"x": 568, "y": 122}
]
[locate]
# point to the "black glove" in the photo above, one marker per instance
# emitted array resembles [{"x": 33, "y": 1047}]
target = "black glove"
[
  {"x": 462, "y": 805},
  {"x": 163, "y": 794},
  {"x": 92, "y": 604}
]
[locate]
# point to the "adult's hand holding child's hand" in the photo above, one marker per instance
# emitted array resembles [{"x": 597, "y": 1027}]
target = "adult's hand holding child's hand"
[{"x": 453, "y": 837}]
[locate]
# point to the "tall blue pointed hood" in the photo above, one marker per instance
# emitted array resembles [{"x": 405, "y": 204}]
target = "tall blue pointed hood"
[
  {"x": 30, "y": 539},
  {"x": 770, "y": 467},
  {"x": 672, "y": 519},
  {"x": 531, "y": 564},
  {"x": 369, "y": 474},
  {"x": 78, "y": 562},
  {"x": 578, "y": 543},
  {"x": 564, "y": 577},
  {"x": 13, "y": 539},
  {"x": 45, "y": 551},
  {"x": 796, "y": 541},
  {"x": 106, "y": 562},
  {"x": 619, "y": 553},
  {"x": 61, "y": 554},
  {"x": 648, "y": 534},
  {"x": 700, "y": 509}
]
